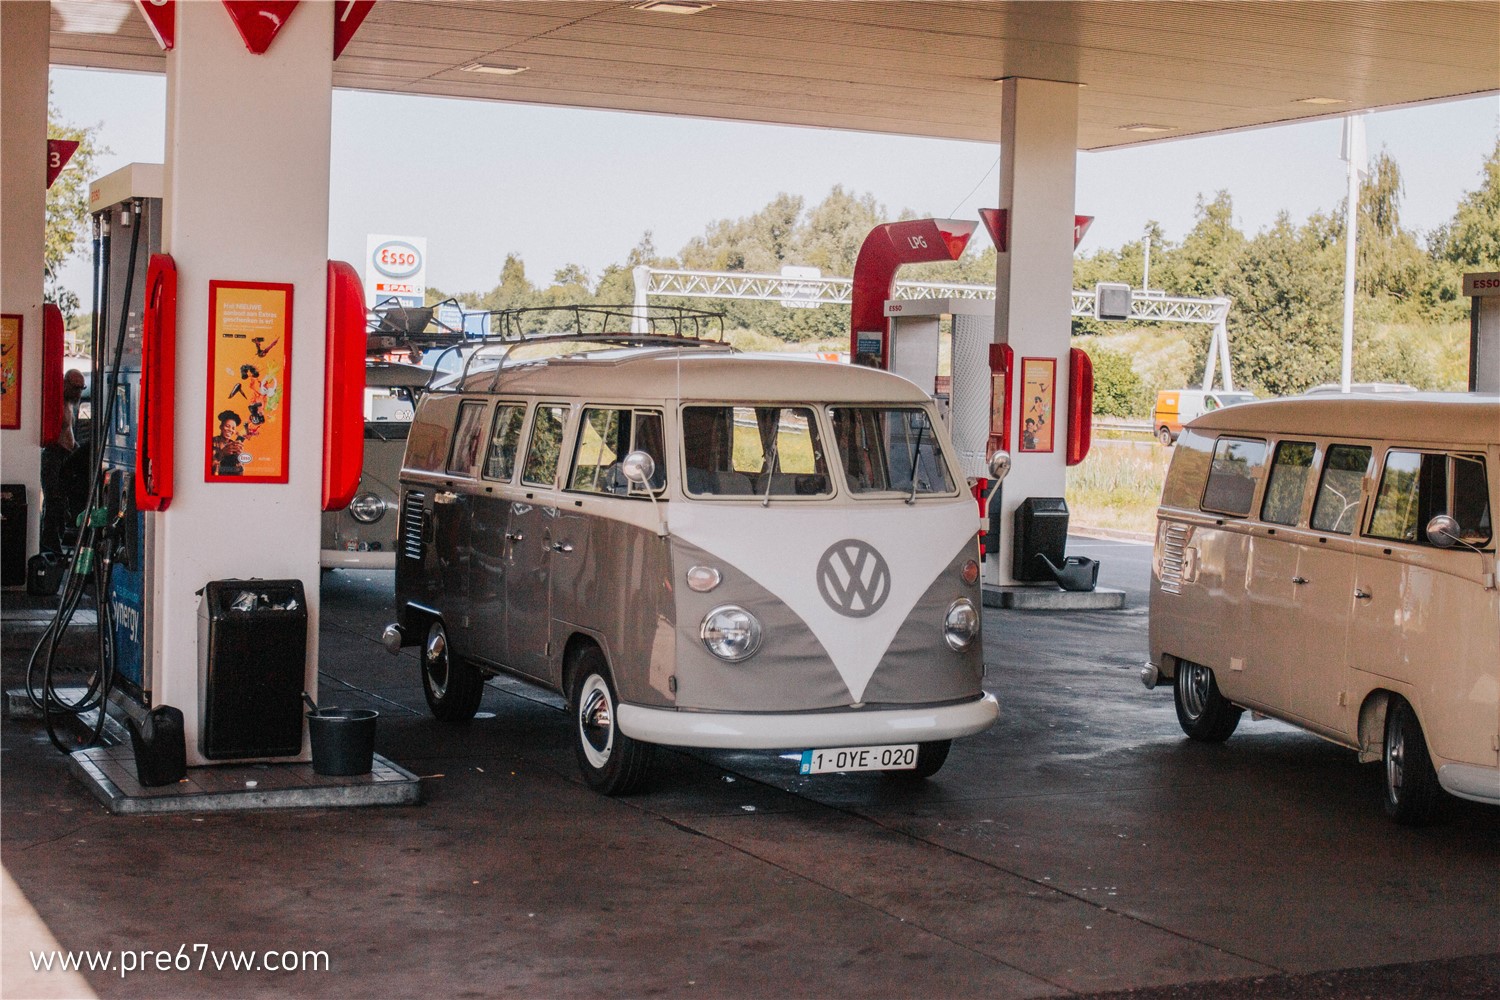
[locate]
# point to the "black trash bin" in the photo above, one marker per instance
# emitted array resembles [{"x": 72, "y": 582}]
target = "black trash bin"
[
  {"x": 13, "y": 535},
  {"x": 252, "y": 654},
  {"x": 1041, "y": 529}
]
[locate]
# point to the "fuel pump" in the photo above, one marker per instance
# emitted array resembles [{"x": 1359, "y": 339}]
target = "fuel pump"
[
  {"x": 128, "y": 202},
  {"x": 110, "y": 556},
  {"x": 926, "y": 336},
  {"x": 980, "y": 394}
]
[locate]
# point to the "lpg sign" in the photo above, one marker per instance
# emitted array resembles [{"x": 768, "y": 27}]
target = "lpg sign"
[{"x": 395, "y": 267}]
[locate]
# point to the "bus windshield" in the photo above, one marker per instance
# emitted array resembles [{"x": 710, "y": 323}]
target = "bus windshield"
[{"x": 890, "y": 449}]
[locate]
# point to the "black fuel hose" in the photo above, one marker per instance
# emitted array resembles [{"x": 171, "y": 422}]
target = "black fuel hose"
[{"x": 94, "y": 555}]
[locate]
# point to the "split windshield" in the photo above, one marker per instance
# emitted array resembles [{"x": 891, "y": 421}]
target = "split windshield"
[
  {"x": 770, "y": 451},
  {"x": 890, "y": 450}
]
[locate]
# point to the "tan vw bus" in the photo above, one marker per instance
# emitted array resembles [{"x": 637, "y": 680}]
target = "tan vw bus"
[
  {"x": 697, "y": 548},
  {"x": 1330, "y": 561}
]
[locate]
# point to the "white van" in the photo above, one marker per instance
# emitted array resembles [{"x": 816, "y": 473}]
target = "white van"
[
  {"x": 697, "y": 548},
  {"x": 1330, "y": 561}
]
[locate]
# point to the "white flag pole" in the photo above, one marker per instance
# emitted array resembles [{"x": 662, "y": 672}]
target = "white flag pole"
[{"x": 1354, "y": 153}]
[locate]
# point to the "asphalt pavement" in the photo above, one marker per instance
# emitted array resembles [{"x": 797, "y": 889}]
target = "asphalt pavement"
[{"x": 1081, "y": 847}]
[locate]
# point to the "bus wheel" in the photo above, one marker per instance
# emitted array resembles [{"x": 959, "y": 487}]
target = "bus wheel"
[
  {"x": 612, "y": 763},
  {"x": 1164, "y": 435},
  {"x": 453, "y": 687},
  {"x": 1204, "y": 713},
  {"x": 1411, "y": 785}
]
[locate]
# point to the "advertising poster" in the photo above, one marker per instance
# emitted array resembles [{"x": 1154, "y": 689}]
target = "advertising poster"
[
  {"x": 249, "y": 375},
  {"x": 10, "y": 371},
  {"x": 1038, "y": 394}
]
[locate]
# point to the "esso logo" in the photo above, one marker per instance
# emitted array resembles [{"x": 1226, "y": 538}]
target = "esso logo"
[{"x": 397, "y": 259}]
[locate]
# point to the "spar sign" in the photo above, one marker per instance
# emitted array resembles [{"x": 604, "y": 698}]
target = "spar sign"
[{"x": 395, "y": 267}]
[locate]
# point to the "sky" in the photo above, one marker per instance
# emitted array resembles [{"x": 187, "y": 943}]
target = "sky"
[{"x": 561, "y": 186}]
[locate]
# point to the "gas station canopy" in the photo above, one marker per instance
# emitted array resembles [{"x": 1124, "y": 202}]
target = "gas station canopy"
[{"x": 1149, "y": 71}]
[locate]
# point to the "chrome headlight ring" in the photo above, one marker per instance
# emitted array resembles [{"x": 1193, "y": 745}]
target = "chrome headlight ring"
[
  {"x": 961, "y": 625},
  {"x": 731, "y": 633}
]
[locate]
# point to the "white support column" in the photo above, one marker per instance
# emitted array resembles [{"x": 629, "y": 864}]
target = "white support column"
[
  {"x": 24, "y": 49},
  {"x": 1034, "y": 279},
  {"x": 245, "y": 199}
]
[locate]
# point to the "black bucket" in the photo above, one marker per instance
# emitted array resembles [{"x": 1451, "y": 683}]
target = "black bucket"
[{"x": 343, "y": 740}]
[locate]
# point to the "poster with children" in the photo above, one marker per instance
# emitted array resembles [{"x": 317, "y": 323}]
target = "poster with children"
[
  {"x": 249, "y": 374},
  {"x": 10, "y": 371},
  {"x": 1038, "y": 394}
]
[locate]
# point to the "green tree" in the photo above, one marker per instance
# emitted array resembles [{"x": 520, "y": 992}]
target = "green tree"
[
  {"x": 1471, "y": 239},
  {"x": 1288, "y": 297},
  {"x": 67, "y": 225},
  {"x": 1118, "y": 389},
  {"x": 1209, "y": 257}
]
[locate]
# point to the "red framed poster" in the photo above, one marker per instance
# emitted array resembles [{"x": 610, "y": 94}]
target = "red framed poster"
[
  {"x": 10, "y": 371},
  {"x": 1038, "y": 399},
  {"x": 249, "y": 427}
]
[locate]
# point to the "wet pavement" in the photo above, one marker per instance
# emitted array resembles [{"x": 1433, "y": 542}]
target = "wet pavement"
[{"x": 1083, "y": 846}]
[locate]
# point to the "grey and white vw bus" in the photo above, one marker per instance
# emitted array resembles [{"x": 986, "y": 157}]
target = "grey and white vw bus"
[{"x": 697, "y": 548}]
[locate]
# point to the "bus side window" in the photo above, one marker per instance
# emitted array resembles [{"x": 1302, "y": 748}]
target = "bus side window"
[
  {"x": 1337, "y": 505},
  {"x": 505, "y": 439},
  {"x": 1231, "y": 477},
  {"x": 1471, "y": 499},
  {"x": 545, "y": 448},
  {"x": 1290, "y": 471},
  {"x": 1398, "y": 502},
  {"x": 466, "y": 438}
]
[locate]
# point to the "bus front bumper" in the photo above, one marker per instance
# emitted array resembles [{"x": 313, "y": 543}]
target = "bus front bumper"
[{"x": 807, "y": 730}]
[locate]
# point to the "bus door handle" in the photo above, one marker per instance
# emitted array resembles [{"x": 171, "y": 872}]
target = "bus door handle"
[
  {"x": 1362, "y": 595},
  {"x": 1300, "y": 580},
  {"x": 562, "y": 547}
]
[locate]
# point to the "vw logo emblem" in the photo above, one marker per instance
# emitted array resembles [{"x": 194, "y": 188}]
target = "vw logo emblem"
[{"x": 853, "y": 578}]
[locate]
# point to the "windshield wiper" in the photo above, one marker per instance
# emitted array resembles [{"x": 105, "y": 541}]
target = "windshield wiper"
[{"x": 916, "y": 457}]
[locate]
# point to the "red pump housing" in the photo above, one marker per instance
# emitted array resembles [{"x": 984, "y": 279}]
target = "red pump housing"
[
  {"x": 53, "y": 330},
  {"x": 343, "y": 387},
  {"x": 157, "y": 415},
  {"x": 1080, "y": 405}
]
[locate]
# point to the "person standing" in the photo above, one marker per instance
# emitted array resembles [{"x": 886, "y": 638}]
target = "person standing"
[{"x": 56, "y": 502}]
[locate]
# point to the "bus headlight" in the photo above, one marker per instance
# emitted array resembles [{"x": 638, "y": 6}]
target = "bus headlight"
[
  {"x": 961, "y": 626},
  {"x": 367, "y": 508},
  {"x": 731, "y": 633}
]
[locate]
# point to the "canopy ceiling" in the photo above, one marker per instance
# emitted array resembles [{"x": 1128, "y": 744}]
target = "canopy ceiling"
[{"x": 911, "y": 68}]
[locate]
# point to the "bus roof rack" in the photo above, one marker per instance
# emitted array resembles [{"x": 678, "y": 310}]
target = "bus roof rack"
[{"x": 611, "y": 326}]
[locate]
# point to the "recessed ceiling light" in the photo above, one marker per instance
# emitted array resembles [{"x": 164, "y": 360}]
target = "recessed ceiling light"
[
  {"x": 673, "y": 6},
  {"x": 1146, "y": 127},
  {"x": 498, "y": 69},
  {"x": 1320, "y": 100}
]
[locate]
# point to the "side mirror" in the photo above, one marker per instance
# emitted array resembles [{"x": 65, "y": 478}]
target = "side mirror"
[
  {"x": 1443, "y": 531},
  {"x": 999, "y": 465},
  {"x": 638, "y": 467}
]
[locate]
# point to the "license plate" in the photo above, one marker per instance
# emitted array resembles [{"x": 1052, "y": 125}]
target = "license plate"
[{"x": 829, "y": 760}]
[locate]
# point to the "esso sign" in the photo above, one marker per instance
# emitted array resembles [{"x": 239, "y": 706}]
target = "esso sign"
[
  {"x": 1484, "y": 283},
  {"x": 397, "y": 259}
]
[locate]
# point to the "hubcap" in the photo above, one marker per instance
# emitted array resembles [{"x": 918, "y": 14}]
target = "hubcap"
[
  {"x": 1194, "y": 689},
  {"x": 1395, "y": 760},
  {"x": 596, "y": 723},
  {"x": 435, "y": 661}
]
